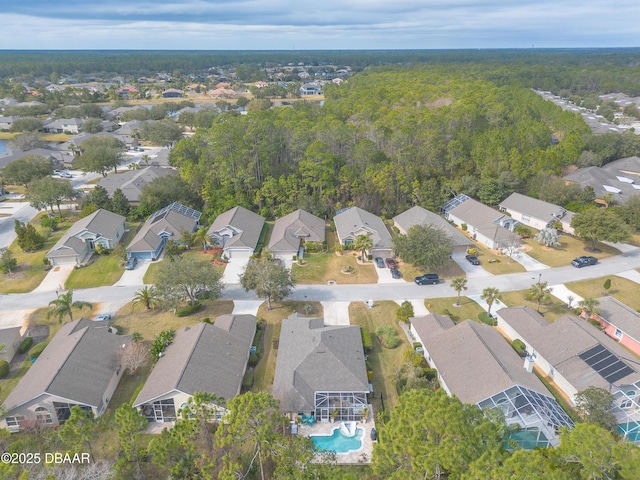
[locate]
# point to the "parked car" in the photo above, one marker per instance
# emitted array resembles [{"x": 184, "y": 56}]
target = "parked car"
[
  {"x": 395, "y": 273},
  {"x": 379, "y": 262},
  {"x": 391, "y": 263},
  {"x": 103, "y": 317},
  {"x": 584, "y": 261},
  {"x": 63, "y": 173},
  {"x": 472, "y": 259},
  {"x": 428, "y": 279},
  {"x": 131, "y": 263}
]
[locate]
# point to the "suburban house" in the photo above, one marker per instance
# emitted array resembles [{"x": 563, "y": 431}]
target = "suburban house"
[
  {"x": 102, "y": 227},
  {"x": 620, "y": 179},
  {"x": 536, "y": 213},
  {"x": 620, "y": 322},
  {"x": 172, "y": 93},
  {"x": 311, "y": 88},
  {"x": 131, "y": 182},
  {"x": 11, "y": 338},
  {"x": 6, "y": 122},
  {"x": 320, "y": 370},
  {"x": 202, "y": 358},
  {"x": 237, "y": 232},
  {"x": 80, "y": 366},
  {"x": 477, "y": 365},
  {"x": 292, "y": 231},
  {"x": 485, "y": 225},
  {"x": 167, "y": 223},
  {"x": 56, "y": 157},
  {"x": 573, "y": 355},
  {"x": 352, "y": 222},
  {"x": 63, "y": 125},
  {"x": 421, "y": 216}
]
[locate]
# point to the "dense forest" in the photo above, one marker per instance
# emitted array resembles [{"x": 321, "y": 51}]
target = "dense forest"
[{"x": 389, "y": 138}]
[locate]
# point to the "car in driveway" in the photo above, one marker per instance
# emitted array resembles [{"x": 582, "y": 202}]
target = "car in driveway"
[
  {"x": 103, "y": 317},
  {"x": 395, "y": 273},
  {"x": 63, "y": 173},
  {"x": 428, "y": 279},
  {"x": 131, "y": 263},
  {"x": 472, "y": 259},
  {"x": 379, "y": 262},
  {"x": 584, "y": 261},
  {"x": 391, "y": 263}
]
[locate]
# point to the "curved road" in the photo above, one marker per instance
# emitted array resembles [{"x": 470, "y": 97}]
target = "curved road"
[{"x": 515, "y": 281}]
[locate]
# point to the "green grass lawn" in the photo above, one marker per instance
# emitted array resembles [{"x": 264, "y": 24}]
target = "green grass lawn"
[
  {"x": 103, "y": 270},
  {"x": 319, "y": 268},
  {"x": 383, "y": 361},
  {"x": 451, "y": 270},
  {"x": 497, "y": 264},
  {"x": 570, "y": 248},
  {"x": 622, "y": 289},
  {"x": 468, "y": 309},
  {"x": 551, "y": 311},
  {"x": 151, "y": 276}
]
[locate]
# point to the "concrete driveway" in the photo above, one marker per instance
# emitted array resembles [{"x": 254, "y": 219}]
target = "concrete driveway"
[
  {"x": 134, "y": 277},
  {"x": 55, "y": 279},
  {"x": 336, "y": 313},
  {"x": 472, "y": 271},
  {"x": 235, "y": 268},
  {"x": 246, "y": 307},
  {"x": 529, "y": 263},
  {"x": 419, "y": 308},
  {"x": 384, "y": 276}
]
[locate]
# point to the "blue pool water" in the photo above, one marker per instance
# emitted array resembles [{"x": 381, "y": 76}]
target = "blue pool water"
[
  {"x": 3, "y": 146},
  {"x": 337, "y": 442},
  {"x": 631, "y": 430}
]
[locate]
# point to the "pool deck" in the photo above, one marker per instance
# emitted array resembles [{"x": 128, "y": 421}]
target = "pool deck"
[{"x": 363, "y": 455}]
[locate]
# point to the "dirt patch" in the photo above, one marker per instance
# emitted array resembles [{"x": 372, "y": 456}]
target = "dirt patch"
[
  {"x": 15, "y": 275},
  {"x": 440, "y": 102}
]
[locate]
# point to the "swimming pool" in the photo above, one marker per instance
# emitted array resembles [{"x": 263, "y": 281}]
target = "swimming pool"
[{"x": 337, "y": 442}]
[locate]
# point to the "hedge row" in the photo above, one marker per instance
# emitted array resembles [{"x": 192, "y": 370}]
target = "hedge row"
[
  {"x": 25, "y": 345},
  {"x": 366, "y": 340},
  {"x": 485, "y": 318},
  {"x": 37, "y": 350},
  {"x": 188, "y": 310}
]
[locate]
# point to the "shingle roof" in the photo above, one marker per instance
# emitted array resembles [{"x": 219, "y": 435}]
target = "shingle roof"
[
  {"x": 474, "y": 359},
  {"x": 132, "y": 182},
  {"x": 621, "y": 316},
  {"x": 248, "y": 224},
  {"x": 561, "y": 343},
  {"x": 288, "y": 230},
  {"x": 351, "y": 220},
  {"x": 102, "y": 223},
  {"x": 484, "y": 218},
  {"x": 78, "y": 364},
  {"x": 203, "y": 358},
  {"x": 421, "y": 216},
  {"x": 545, "y": 211},
  {"x": 313, "y": 357},
  {"x": 610, "y": 175}
]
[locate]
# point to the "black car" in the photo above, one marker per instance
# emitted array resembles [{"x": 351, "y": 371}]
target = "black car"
[
  {"x": 395, "y": 273},
  {"x": 131, "y": 263},
  {"x": 472, "y": 259},
  {"x": 428, "y": 279},
  {"x": 379, "y": 262},
  {"x": 584, "y": 261}
]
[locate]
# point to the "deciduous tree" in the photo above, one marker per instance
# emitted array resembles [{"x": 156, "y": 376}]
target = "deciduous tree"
[
  {"x": 271, "y": 281},
  {"x": 100, "y": 154},
  {"x": 185, "y": 279},
  {"x": 26, "y": 170},
  {"x": 47, "y": 192},
  {"x": 595, "y": 406},
  {"x": 134, "y": 356},
  {"x": 424, "y": 246},
  {"x": 599, "y": 224}
]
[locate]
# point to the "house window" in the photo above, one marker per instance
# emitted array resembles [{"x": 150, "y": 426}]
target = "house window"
[
  {"x": 43, "y": 416},
  {"x": 348, "y": 242},
  {"x": 625, "y": 404},
  {"x": 618, "y": 333},
  {"x": 14, "y": 421}
]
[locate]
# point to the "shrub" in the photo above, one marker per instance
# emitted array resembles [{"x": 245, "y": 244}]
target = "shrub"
[
  {"x": 25, "y": 345},
  {"x": 464, "y": 227},
  {"x": 388, "y": 336},
  {"x": 253, "y": 360},
  {"x": 247, "y": 380},
  {"x": 430, "y": 373},
  {"x": 206, "y": 320},
  {"x": 485, "y": 318},
  {"x": 188, "y": 310},
  {"x": 472, "y": 251},
  {"x": 416, "y": 345},
  {"x": 519, "y": 346},
  {"x": 405, "y": 311},
  {"x": 50, "y": 222},
  {"x": 161, "y": 342},
  {"x": 369, "y": 374},
  {"x": 37, "y": 350},
  {"x": 366, "y": 340},
  {"x": 595, "y": 323},
  {"x": 4, "y": 368}
]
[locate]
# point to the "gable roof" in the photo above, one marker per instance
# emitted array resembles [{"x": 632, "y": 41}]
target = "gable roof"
[
  {"x": 621, "y": 178},
  {"x": 315, "y": 357},
  {"x": 485, "y": 219},
  {"x": 78, "y": 364},
  {"x": 172, "y": 219},
  {"x": 288, "y": 230},
  {"x": 421, "y": 216},
  {"x": 203, "y": 358},
  {"x": 350, "y": 220},
  {"x": 621, "y": 316},
  {"x": 535, "y": 208},
  {"x": 562, "y": 342},
  {"x": 132, "y": 182},
  {"x": 248, "y": 224},
  {"x": 474, "y": 359},
  {"x": 102, "y": 223}
]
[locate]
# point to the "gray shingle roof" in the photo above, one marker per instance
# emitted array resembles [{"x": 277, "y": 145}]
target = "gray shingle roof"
[
  {"x": 132, "y": 182},
  {"x": 248, "y": 224},
  {"x": 620, "y": 315},
  {"x": 354, "y": 221},
  {"x": 78, "y": 364},
  {"x": 545, "y": 211},
  {"x": 421, "y": 216},
  {"x": 598, "y": 177},
  {"x": 203, "y": 358},
  {"x": 485, "y": 219},
  {"x": 474, "y": 359},
  {"x": 313, "y": 357},
  {"x": 288, "y": 230}
]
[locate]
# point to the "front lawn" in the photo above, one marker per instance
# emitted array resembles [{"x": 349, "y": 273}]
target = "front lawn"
[
  {"x": 152, "y": 322},
  {"x": 319, "y": 268},
  {"x": 451, "y": 270},
  {"x": 383, "y": 362},
  {"x": 468, "y": 309},
  {"x": 570, "y": 248},
  {"x": 551, "y": 311},
  {"x": 151, "y": 276},
  {"x": 103, "y": 270},
  {"x": 497, "y": 264},
  {"x": 622, "y": 289}
]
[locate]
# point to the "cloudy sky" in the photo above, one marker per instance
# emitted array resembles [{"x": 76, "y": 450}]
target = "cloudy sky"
[{"x": 313, "y": 24}]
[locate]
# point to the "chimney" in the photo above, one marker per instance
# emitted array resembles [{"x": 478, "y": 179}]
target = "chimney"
[{"x": 528, "y": 363}]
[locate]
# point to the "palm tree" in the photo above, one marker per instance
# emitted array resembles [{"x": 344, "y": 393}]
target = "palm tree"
[
  {"x": 63, "y": 305},
  {"x": 146, "y": 296},
  {"x": 145, "y": 158},
  {"x": 539, "y": 293},
  {"x": 362, "y": 244},
  {"x": 200, "y": 235},
  {"x": 459, "y": 284},
  {"x": 490, "y": 295},
  {"x": 589, "y": 307}
]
